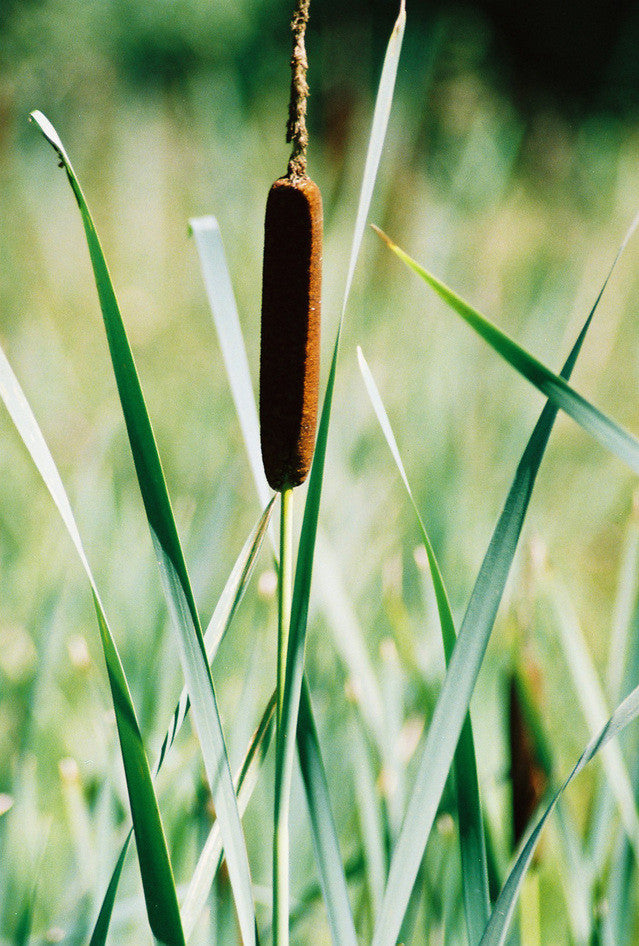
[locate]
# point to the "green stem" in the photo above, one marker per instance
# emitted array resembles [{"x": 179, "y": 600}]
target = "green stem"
[{"x": 282, "y": 784}]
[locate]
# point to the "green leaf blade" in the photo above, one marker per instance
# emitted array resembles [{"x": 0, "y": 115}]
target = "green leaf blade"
[
  {"x": 211, "y": 856},
  {"x": 171, "y": 561},
  {"x": 219, "y": 290},
  {"x": 381, "y": 115},
  {"x": 218, "y": 625},
  {"x": 554, "y": 387},
  {"x": 471, "y": 832},
  {"x": 155, "y": 866},
  {"x": 497, "y": 929},
  {"x": 466, "y": 661},
  {"x": 327, "y": 852}
]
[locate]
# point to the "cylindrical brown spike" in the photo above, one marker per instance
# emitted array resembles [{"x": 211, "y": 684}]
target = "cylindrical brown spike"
[
  {"x": 290, "y": 343},
  {"x": 528, "y": 777}
]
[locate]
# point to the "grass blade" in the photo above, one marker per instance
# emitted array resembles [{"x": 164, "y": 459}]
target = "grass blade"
[
  {"x": 593, "y": 706},
  {"x": 313, "y": 894},
  {"x": 218, "y": 625},
  {"x": 222, "y": 616},
  {"x": 624, "y": 605},
  {"x": 219, "y": 290},
  {"x": 471, "y": 830},
  {"x": 370, "y": 816},
  {"x": 175, "y": 581},
  {"x": 497, "y": 929},
  {"x": 554, "y": 387},
  {"x": 327, "y": 852},
  {"x": 617, "y": 923},
  {"x": 101, "y": 928},
  {"x": 211, "y": 857},
  {"x": 465, "y": 662},
  {"x": 376, "y": 141},
  {"x": 155, "y": 866}
]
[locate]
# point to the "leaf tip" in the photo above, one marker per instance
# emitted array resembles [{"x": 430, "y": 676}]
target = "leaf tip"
[
  {"x": 50, "y": 134},
  {"x": 380, "y": 233}
]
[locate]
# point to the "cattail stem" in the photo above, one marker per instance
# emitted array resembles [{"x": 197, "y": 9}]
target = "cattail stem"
[
  {"x": 296, "y": 127},
  {"x": 282, "y": 778}
]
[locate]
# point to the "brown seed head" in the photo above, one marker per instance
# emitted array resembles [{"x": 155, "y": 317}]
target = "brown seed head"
[
  {"x": 529, "y": 778},
  {"x": 290, "y": 343}
]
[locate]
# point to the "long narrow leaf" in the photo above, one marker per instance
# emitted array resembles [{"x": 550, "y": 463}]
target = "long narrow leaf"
[
  {"x": 625, "y": 600},
  {"x": 376, "y": 141},
  {"x": 465, "y": 662},
  {"x": 225, "y": 608},
  {"x": 155, "y": 866},
  {"x": 616, "y": 926},
  {"x": 617, "y": 922},
  {"x": 495, "y": 933},
  {"x": 101, "y": 928},
  {"x": 593, "y": 706},
  {"x": 471, "y": 830},
  {"x": 175, "y": 581},
  {"x": 554, "y": 387},
  {"x": 327, "y": 852},
  {"x": 219, "y": 290},
  {"x": 218, "y": 625},
  {"x": 371, "y": 821},
  {"x": 211, "y": 857}
]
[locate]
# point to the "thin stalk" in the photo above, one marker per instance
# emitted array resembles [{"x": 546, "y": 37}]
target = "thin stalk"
[{"x": 282, "y": 778}]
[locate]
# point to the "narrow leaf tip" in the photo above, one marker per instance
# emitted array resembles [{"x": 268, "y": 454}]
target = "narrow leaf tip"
[
  {"x": 49, "y": 133},
  {"x": 380, "y": 233}
]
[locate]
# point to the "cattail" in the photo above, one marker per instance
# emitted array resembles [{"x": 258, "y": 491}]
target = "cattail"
[
  {"x": 289, "y": 362},
  {"x": 530, "y": 765},
  {"x": 291, "y": 290}
]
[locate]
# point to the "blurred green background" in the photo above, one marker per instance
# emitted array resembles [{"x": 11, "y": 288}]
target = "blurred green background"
[{"x": 515, "y": 191}]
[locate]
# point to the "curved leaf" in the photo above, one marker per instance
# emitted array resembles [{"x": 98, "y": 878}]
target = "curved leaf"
[
  {"x": 472, "y": 841},
  {"x": 155, "y": 866},
  {"x": 553, "y": 386},
  {"x": 175, "y": 581},
  {"x": 465, "y": 662},
  {"x": 495, "y": 933},
  {"x": 211, "y": 856},
  {"x": 218, "y": 625}
]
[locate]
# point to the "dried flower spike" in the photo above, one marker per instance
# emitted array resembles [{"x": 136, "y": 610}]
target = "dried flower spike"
[
  {"x": 289, "y": 361},
  {"x": 529, "y": 765},
  {"x": 291, "y": 290}
]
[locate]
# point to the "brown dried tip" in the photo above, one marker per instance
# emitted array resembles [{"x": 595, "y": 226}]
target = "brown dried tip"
[{"x": 290, "y": 345}]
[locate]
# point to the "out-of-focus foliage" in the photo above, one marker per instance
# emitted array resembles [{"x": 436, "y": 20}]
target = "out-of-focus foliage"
[{"x": 172, "y": 110}]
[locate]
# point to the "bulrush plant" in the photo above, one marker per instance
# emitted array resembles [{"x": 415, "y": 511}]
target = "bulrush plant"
[
  {"x": 289, "y": 385},
  {"x": 392, "y": 866}
]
